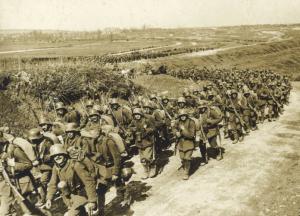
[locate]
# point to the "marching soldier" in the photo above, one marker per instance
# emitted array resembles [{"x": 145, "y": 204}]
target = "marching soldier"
[
  {"x": 41, "y": 147},
  {"x": 65, "y": 175},
  {"x": 143, "y": 128},
  {"x": 185, "y": 131},
  {"x": 121, "y": 116},
  {"x": 17, "y": 165},
  {"x": 209, "y": 119},
  {"x": 108, "y": 164},
  {"x": 235, "y": 121}
]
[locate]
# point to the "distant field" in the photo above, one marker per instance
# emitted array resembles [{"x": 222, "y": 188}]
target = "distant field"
[{"x": 274, "y": 47}]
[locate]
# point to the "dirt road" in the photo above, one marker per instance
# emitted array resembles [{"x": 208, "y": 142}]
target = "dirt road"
[{"x": 257, "y": 177}]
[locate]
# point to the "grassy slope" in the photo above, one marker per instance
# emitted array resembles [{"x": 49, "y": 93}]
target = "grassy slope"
[{"x": 282, "y": 57}]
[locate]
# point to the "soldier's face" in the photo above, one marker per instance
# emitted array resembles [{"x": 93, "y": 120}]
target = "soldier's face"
[
  {"x": 183, "y": 117},
  {"x": 71, "y": 134},
  {"x": 137, "y": 117},
  {"x": 147, "y": 110},
  {"x": 154, "y": 100},
  {"x": 247, "y": 95},
  {"x": 165, "y": 101},
  {"x": 181, "y": 105},
  {"x": 61, "y": 112},
  {"x": 233, "y": 96},
  {"x": 94, "y": 118},
  {"x": 114, "y": 106},
  {"x": 46, "y": 127},
  {"x": 60, "y": 160},
  {"x": 202, "y": 110}
]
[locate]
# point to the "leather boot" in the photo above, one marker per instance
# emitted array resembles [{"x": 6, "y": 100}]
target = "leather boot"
[
  {"x": 152, "y": 172},
  {"x": 146, "y": 171},
  {"x": 203, "y": 152},
  {"x": 186, "y": 169},
  {"x": 220, "y": 154}
]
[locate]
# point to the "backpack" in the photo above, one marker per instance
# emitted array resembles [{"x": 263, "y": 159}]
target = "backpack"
[
  {"x": 25, "y": 146},
  {"x": 118, "y": 140},
  {"x": 197, "y": 123}
]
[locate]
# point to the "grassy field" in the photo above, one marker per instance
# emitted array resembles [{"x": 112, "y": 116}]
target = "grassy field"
[{"x": 275, "y": 47}]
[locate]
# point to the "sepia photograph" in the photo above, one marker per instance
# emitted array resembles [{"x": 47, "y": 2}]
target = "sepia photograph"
[{"x": 150, "y": 108}]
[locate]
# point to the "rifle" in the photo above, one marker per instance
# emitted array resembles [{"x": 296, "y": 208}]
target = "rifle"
[
  {"x": 166, "y": 111},
  {"x": 236, "y": 113},
  {"x": 19, "y": 197},
  {"x": 118, "y": 123},
  {"x": 273, "y": 98},
  {"x": 205, "y": 140}
]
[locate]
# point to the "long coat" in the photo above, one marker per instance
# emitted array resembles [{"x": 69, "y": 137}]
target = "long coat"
[
  {"x": 144, "y": 128},
  {"x": 187, "y": 130},
  {"x": 74, "y": 174}
]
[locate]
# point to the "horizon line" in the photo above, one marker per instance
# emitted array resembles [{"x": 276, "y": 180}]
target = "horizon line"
[{"x": 143, "y": 27}]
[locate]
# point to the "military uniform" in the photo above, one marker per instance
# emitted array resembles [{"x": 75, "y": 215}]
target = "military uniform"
[
  {"x": 209, "y": 120},
  {"x": 185, "y": 132},
  {"x": 143, "y": 130},
  {"x": 73, "y": 174}
]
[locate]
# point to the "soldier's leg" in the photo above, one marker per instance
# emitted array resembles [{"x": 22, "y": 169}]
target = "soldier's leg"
[
  {"x": 145, "y": 163},
  {"x": 101, "y": 191},
  {"x": 214, "y": 144},
  {"x": 187, "y": 164},
  {"x": 6, "y": 203},
  {"x": 246, "y": 119},
  {"x": 45, "y": 178},
  {"x": 203, "y": 151},
  {"x": 152, "y": 158}
]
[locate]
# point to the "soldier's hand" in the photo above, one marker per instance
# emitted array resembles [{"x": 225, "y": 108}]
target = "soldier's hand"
[
  {"x": 90, "y": 206},
  {"x": 11, "y": 162},
  {"x": 35, "y": 163},
  {"x": 114, "y": 177},
  {"x": 178, "y": 134},
  {"x": 182, "y": 127},
  {"x": 48, "y": 204}
]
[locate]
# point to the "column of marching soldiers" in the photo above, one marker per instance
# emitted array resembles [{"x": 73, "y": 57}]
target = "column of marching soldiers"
[{"x": 78, "y": 156}]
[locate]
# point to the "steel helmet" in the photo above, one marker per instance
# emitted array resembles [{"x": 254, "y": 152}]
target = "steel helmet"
[
  {"x": 137, "y": 111},
  {"x": 71, "y": 127},
  {"x": 164, "y": 97},
  {"x": 203, "y": 104},
  {"x": 94, "y": 112},
  {"x": 183, "y": 112},
  {"x": 44, "y": 121},
  {"x": 233, "y": 92},
  {"x": 114, "y": 101},
  {"x": 148, "y": 104},
  {"x": 89, "y": 103},
  {"x": 126, "y": 173},
  {"x": 181, "y": 100},
  {"x": 152, "y": 96},
  {"x": 57, "y": 149},
  {"x": 210, "y": 93},
  {"x": 60, "y": 105},
  {"x": 34, "y": 134}
]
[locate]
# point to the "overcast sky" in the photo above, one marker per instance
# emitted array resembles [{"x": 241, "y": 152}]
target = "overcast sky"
[{"x": 98, "y": 14}]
